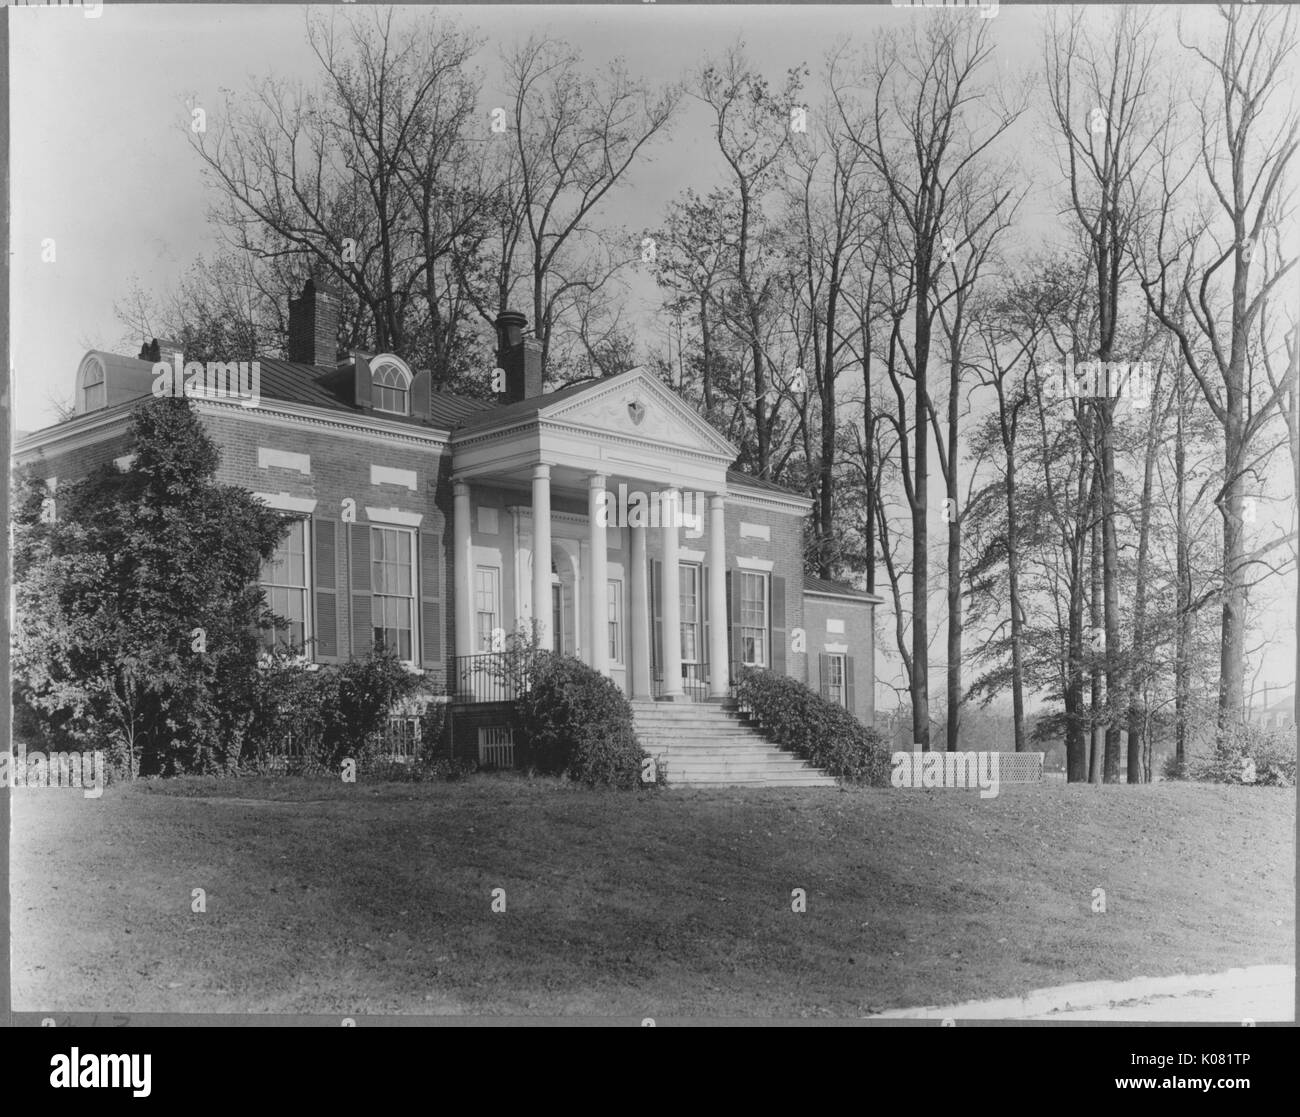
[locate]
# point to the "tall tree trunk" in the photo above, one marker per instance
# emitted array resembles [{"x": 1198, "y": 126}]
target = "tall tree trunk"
[
  {"x": 1183, "y": 590},
  {"x": 1141, "y": 654},
  {"x": 1095, "y": 621},
  {"x": 1017, "y": 619},
  {"x": 1115, "y": 687},
  {"x": 954, "y": 538},
  {"x": 920, "y": 532}
]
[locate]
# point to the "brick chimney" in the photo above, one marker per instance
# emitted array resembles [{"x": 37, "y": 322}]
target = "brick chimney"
[
  {"x": 314, "y": 325},
  {"x": 160, "y": 349},
  {"x": 519, "y": 356}
]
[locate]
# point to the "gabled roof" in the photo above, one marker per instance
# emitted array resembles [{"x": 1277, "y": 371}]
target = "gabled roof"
[
  {"x": 744, "y": 480},
  {"x": 837, "y": 589},
  {"x": 602, "y": 404},
  {"x": 524, "y": 408}
]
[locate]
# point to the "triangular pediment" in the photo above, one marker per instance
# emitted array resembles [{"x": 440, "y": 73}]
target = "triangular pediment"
[{"x": 637, "y": 404}]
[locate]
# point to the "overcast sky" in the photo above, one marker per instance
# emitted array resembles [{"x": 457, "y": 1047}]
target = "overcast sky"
[{"x": 100, "y": 161}]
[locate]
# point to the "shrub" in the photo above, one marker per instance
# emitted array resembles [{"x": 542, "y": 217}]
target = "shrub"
[
  {"x": 330, "y": 712},
  {"x": 820, "y": 732},
  {"x": 578, "y": 723},
  {"x": 1250, "y": 754}
]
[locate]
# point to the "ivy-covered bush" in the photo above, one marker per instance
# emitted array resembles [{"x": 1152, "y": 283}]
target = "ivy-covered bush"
[
  {"x": 578, "y": 723},
  {"x": 820, "y": 732},
  {"x": 1250, "y": 754}
]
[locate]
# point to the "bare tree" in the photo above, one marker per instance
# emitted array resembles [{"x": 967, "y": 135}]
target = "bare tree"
[
  {"x": 925, "y": 137},
  {"x": 1222, "y": 271},
  {"x": 572, "y": 139},
  {"x": 1100, "y": 95}
]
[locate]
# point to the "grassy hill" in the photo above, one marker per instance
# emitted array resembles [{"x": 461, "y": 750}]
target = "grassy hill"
[{"x": 325, "y": 897}]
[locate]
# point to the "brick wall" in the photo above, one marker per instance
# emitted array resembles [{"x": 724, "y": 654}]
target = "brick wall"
[{"x": 858, "y": 636}]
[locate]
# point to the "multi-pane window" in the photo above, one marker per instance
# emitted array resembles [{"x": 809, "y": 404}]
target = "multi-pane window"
[
  {"x": 392, "y": 589},
  {"x": 614, "y": 611},
  {"x": 753, "y": 618},
  {"x": 92, "y": 387},
  {"x": 284, "y": 584},
  {"x": 486, "y": 605},
  {"x": 689, "y": 596},
  {"x": 389, "y": 388},
  {"x": 835, "y": 679}
]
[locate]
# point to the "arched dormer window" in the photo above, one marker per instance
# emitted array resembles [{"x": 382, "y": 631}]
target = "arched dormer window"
[
  {"x": 390, "y": 385},
  {"x": 92, "y": 392}
]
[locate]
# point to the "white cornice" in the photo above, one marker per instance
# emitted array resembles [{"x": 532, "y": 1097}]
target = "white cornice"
[
  {"x": 87, "y": 430},
  {"x": 772, "y": 502},
  {"x": 84, "y": 430},
  {"x": 365, "y": 429},
  {"x": 860, "y": 596}
]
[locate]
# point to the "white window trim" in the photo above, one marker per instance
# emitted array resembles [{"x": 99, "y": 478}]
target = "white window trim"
[
  {"x": 843, "y": 658},
  {"x": 394, "y": 517},
  {"x": 268, "y": 457},
  {"x": 836, "y": 649},
  {"x": 617, "y": 660},
  {"x": 698, "y": 623},
  {"x": 393, "y": 361},
  {"x": 413, "y": 663},
  {"x": 283, "y": 502},
  {"x": 307, "y": 657},
  {"x": 387, "y": 475},
  {"x": 755, "y": 565},
  {"x": 495, "y": 571},
  {"x": 767, "y": 617}
]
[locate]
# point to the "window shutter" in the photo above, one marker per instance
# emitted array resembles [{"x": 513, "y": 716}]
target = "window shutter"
[
  {"x": 705, "y": 657},
  {"x": 431, "y": 634},
  {"x": 848, "y": 684},
  {"x": 824, "y": 674},
  {"x": 733, "y": 610},
  {"x": 778, "y": 625},
  {"x": 324, "y": 534},
  {"x": 656, "y": 602},
  {"x": 363, "y": 632}
]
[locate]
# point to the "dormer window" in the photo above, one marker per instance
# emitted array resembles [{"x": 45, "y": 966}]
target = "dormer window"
[
  {"x": 91, "y": 389},
  {"x": 390, "y": 385}
]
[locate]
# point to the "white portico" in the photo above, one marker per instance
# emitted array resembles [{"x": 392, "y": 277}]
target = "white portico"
[{"x": 558, "y": 501}]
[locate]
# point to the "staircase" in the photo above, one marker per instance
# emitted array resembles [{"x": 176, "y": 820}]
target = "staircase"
[{"x": 710, "y": 745}]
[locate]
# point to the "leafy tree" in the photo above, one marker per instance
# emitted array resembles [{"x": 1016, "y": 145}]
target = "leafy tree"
[{"x": 138, "y": 603}]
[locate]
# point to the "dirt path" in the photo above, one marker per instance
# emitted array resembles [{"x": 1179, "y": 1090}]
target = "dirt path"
[{"x": 1260, "y": 993}]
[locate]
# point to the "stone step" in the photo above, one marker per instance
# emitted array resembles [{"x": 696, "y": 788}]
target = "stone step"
[
  {"x": 713, "y": 745},
  {"x": 709, "y": 775},
  {"x": 757, "y": 782}
]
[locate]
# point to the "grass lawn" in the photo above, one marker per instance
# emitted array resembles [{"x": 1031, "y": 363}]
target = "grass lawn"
[{"x": 324, "y": 897}]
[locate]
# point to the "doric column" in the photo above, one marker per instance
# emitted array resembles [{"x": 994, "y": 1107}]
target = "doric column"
[
  {"x": 670, "y": 611},
  {"x": 598, "y": 575},
  {"x": 719, "y": 661},
  {"x": 640, "y": 630},
  {"x": 463, "y": 570},
  {"x": 542, "y": 555}
]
